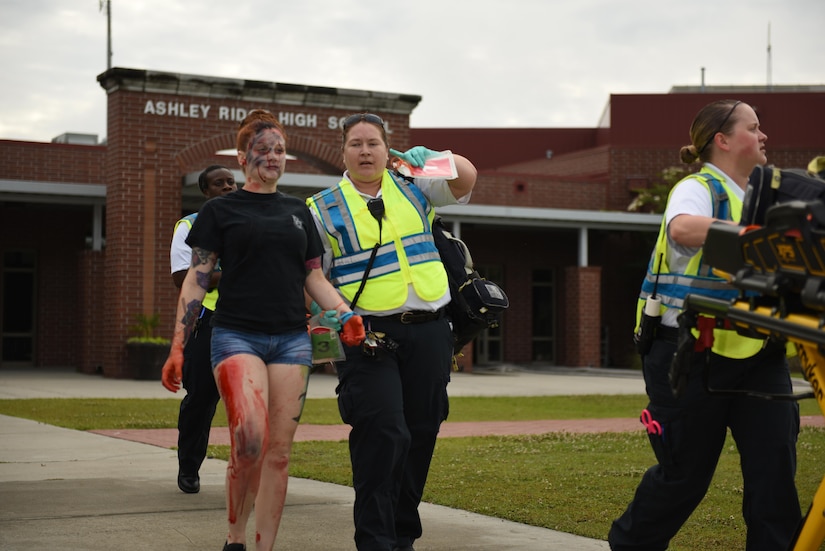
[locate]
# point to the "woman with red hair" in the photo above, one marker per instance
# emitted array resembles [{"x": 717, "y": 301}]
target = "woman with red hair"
[{"x": 269, "y": 252}]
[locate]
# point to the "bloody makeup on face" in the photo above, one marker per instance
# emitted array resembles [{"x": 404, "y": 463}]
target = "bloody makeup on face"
[{"x": 266, "y": 153}]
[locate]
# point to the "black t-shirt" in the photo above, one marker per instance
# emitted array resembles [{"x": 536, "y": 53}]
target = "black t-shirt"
[{"x": 263, "y": 241}]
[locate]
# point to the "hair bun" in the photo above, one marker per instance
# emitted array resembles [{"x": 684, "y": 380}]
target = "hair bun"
[{"x": 688, "y": 154}]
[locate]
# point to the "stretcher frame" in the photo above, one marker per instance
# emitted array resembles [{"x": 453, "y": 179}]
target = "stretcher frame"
[{"x": 779, "y": 269}]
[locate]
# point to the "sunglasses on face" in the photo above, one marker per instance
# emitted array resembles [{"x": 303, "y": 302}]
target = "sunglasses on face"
[{"x": 362, "y": 117}]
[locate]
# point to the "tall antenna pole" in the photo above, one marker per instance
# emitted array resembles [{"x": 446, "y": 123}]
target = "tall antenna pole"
[
  {"x": 769, "y": 56},
  {"x": 108, "y": 4}
]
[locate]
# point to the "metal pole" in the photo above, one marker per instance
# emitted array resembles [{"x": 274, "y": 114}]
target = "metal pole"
[
  {"x": 770, "y": 84},
  {"x": 583, "y": 252},
  {"x": 108, "y": 34},
  {"x": 108, "y": 4}
]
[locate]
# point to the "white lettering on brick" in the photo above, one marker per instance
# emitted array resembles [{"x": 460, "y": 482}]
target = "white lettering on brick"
[{"x": 226, "y": 113}]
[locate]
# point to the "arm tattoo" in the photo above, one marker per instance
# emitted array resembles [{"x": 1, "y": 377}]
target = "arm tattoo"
[
  {"x": 202, "y": 257},
  {"x": 191, "y": 313},
  {"x": 203, "y": 280},
  {"x": 199, "y": 256}
]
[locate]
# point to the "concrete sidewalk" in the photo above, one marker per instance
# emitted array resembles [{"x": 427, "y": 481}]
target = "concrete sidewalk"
[
  {"x": 498, "y": 381},
  {"x": 76, "y": 490}
]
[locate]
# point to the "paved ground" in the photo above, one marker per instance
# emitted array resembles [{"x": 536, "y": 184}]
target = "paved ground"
[
  {"x": 73, "y": 490},
  {"x": 501, "y": 381}
]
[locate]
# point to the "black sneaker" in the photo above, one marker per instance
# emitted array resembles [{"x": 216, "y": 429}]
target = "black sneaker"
[{"x": 234, "y": 547}]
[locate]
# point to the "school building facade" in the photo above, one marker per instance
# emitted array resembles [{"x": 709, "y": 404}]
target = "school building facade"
[{"x": 86, "y": 226}]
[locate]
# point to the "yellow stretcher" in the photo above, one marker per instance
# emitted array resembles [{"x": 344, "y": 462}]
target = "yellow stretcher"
[{"x": 780, "y": 270}]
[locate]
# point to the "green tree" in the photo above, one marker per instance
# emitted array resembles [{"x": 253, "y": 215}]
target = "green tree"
[{"x": 654, "y": 197}]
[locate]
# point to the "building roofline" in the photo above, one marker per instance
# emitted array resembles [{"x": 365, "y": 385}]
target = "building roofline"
[
  {"x": 550, "y": 218},
  {"x": 747, "y": 88},
  {"x": 50, "y": 192},
  {"x": 142, "y": 80},
  {"x": 90, "y": 194}
]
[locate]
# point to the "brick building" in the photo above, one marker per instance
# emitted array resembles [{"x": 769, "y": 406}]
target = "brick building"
[{"x": 86, "y": 227}]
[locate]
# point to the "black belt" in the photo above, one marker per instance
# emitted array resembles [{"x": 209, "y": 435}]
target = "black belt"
[
  {"x": 416, "y": 316},
  {"x": 669, "y": 334}
]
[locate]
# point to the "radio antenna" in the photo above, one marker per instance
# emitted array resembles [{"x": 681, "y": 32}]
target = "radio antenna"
[
  {"x": 769, "y": 56},
  {"x": 108, "y": 5}
]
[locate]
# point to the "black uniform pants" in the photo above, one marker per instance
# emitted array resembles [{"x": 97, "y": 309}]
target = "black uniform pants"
[
  {"x": 198, "y": 406},
  {"x": 395, "y": 403},
  {"x": 695, "y": 427}
]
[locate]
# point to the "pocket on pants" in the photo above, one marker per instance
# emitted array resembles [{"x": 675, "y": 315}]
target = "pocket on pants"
[
  {"x": 666, "y": 445},
  {"x": 344, "y": 405}
]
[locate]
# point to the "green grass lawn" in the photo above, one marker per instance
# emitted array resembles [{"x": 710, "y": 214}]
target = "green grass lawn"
[{"x": 576, "y": 483}]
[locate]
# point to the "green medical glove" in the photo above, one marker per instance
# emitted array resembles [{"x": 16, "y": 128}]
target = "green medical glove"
[
  {"x": 416, "y": 156},
  {"x": 330, "y": 319}
]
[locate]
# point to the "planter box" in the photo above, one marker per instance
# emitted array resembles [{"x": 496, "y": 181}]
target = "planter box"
[{"x": 145, "y": 359}]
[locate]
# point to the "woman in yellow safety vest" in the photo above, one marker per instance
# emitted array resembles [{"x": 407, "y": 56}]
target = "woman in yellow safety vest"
[
  {"x": 687, "y": 433},
  {"x": 380, "y": 255}
]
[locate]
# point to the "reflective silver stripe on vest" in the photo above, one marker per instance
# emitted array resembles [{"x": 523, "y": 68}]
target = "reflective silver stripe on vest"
[
  {"x": 386, "y": 260},
  {"x": 422, "y": 208},
  {"x": 325, "y": 207},
  {"x": 683, "y": 285},
  {"x": 342, "y": 274},
  {"x": 423, "y": 256}
]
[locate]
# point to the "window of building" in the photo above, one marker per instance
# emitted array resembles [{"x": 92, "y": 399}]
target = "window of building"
[
  {"x": 18, "y": 307},
  {"x": 544, "y": 309}
]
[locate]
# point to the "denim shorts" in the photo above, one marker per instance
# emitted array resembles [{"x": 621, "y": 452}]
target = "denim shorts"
[{"x": 285, "y": 348}]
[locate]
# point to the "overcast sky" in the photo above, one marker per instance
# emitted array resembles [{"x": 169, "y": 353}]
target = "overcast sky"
[{"x": 476, "y": 63}]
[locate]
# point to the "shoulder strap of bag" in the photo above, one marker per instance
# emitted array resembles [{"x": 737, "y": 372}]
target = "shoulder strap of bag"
[{"x": 376, "y": 208}]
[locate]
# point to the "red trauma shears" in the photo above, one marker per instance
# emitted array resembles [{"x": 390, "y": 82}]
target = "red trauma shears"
[{"x": 653, "y": 426}]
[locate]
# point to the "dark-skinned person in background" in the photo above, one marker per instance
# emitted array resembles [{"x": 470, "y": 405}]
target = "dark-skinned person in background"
[
  {"x": 198, "y": 406},
  {"x": 392, "y": 389},
  {"x": 687, "y": 433},
  {"x": 269, "y": 252}
]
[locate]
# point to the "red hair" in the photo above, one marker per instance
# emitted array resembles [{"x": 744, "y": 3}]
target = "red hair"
[{"x": 255, "y": 121}]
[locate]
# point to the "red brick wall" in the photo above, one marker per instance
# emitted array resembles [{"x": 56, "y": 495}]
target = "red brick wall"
[
  {"x": 52, "y": 162},
  {"x": 582, "y": 296},
  {"x": 532, "y": 190},
  {"x": 790, "y": 119},
  {"x": 90, "y": 308},
  {"x": 57, "y": 234}
]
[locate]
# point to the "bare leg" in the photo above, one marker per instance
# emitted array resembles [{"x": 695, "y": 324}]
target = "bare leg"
[
  {"x": 287, "y": 391},
  {"x": 244, "y": 386}
]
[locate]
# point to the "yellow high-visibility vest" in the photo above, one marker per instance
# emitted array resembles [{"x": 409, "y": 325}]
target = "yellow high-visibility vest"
[{"x": 406, "y": 256}]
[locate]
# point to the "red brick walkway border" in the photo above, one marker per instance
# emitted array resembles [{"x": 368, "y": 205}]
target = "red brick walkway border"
[{"x": 168, "y": 438}]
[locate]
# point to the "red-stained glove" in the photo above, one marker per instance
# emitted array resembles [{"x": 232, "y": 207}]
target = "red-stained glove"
[
  {"x": 172, "y": 371},
  {"x": 353, "y": 331}
]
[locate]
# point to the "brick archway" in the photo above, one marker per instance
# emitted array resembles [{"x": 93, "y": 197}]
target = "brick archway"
[
  {"x": 191, "y": 158},
  {"x": 314, "y": 152}
]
